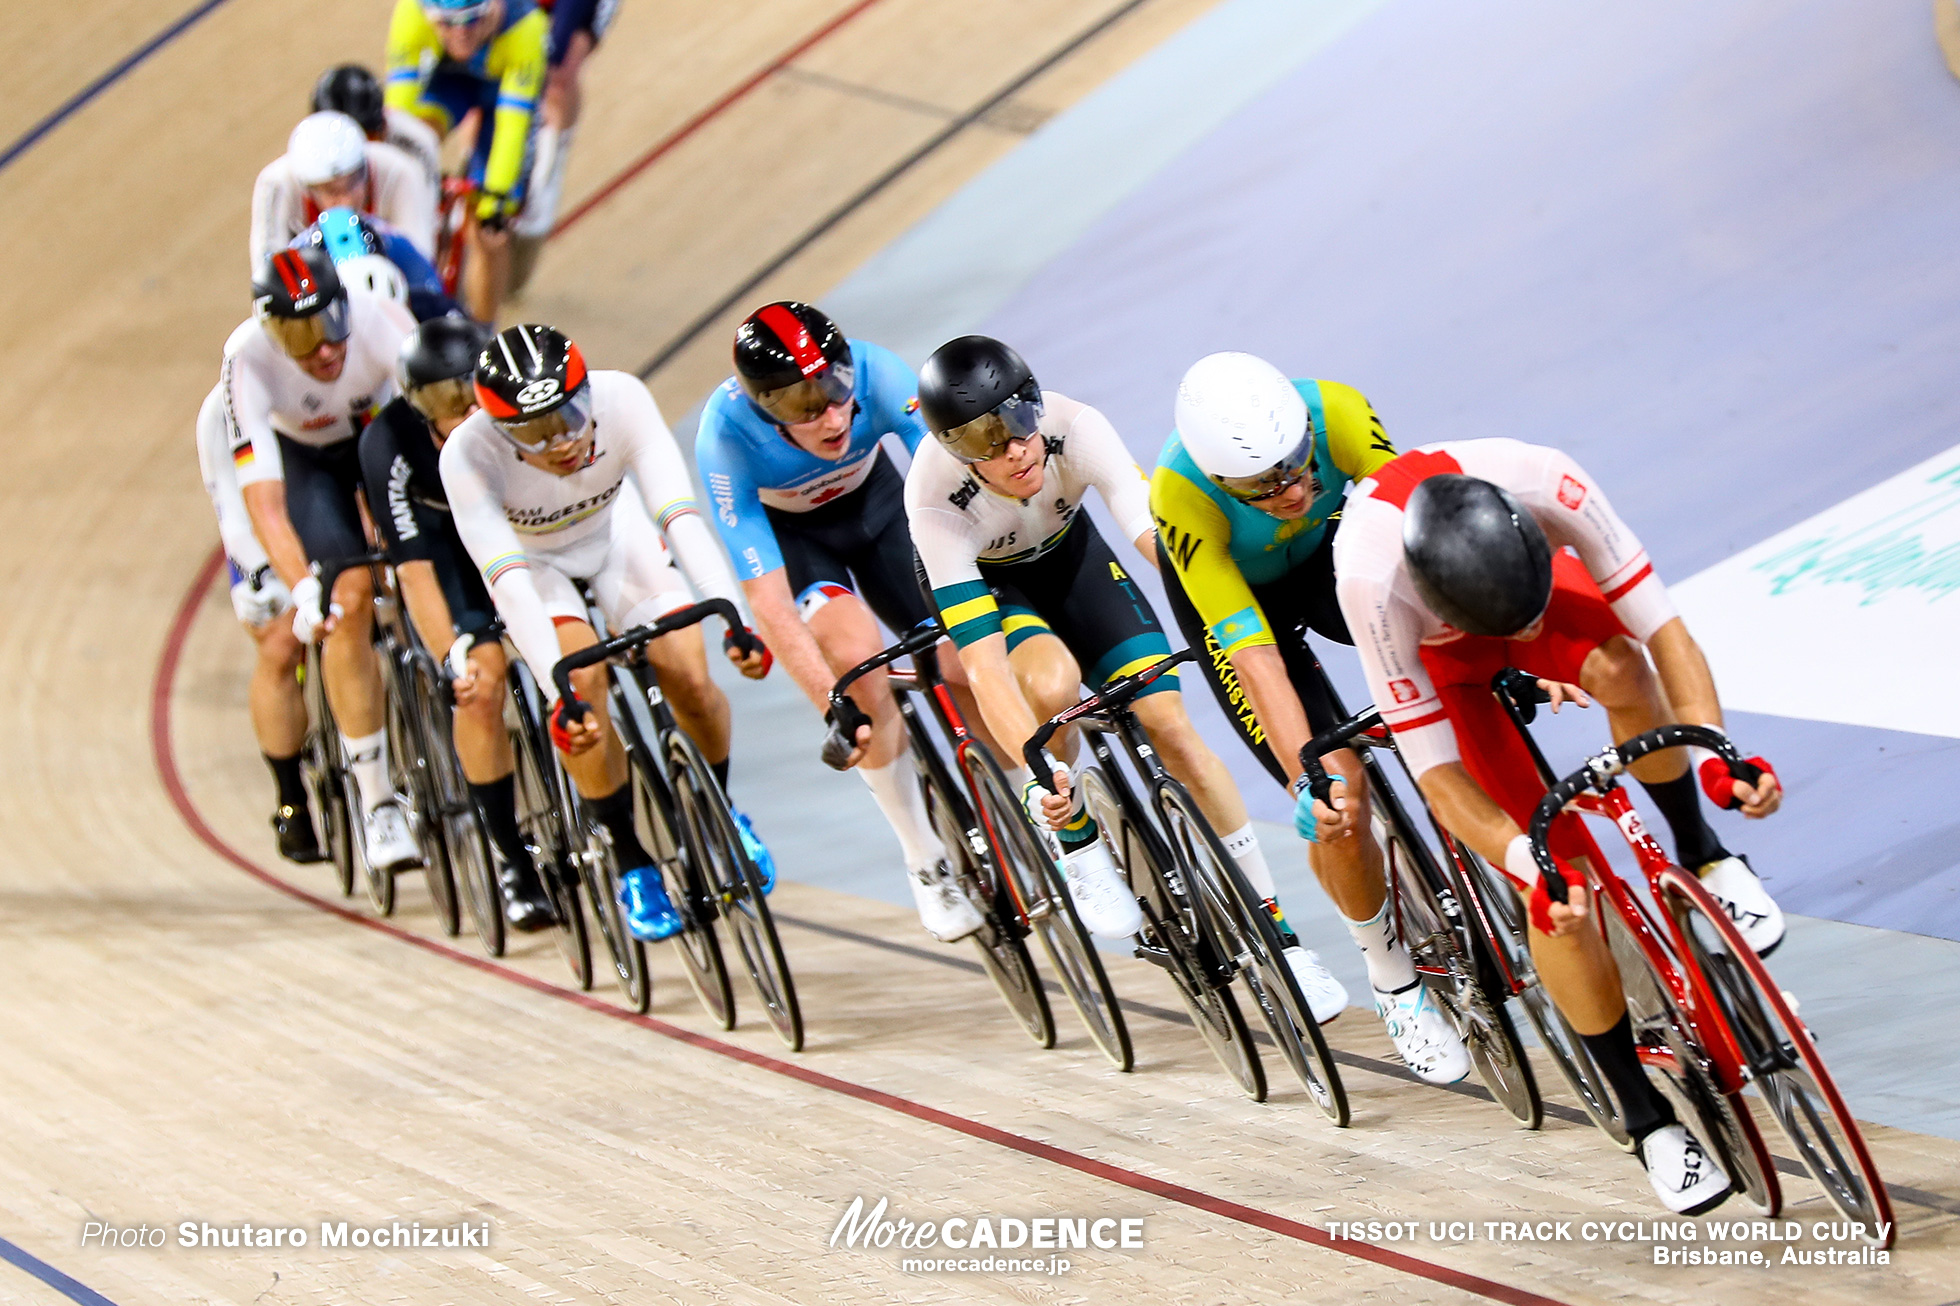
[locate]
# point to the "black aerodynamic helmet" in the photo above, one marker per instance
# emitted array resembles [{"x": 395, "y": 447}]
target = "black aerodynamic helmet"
[
  {"x": 532, "y": 381},
  {"x": 1478, "y": 558},
  {"x": 298, "y": 299},
  {"x": 793, "y": 362},
  {"x": 352, "y": 90},
  {"x": 977, "y": 395},
  {"x": 437, "y": 366}
]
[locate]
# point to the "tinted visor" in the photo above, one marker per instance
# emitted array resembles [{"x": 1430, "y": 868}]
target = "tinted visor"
[
  {"x": 987, "y": 436},
  {"x": 1281, "y": 476},
  {"x": 561, "y": 425},
  {"x": 448, "y": 399},
  {"x": 300, "y": 336},
  {"x": 455, "y": 15},
  {"x": 806, "y": 400}
]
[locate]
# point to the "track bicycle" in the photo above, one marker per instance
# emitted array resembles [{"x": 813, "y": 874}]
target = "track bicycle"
[
  {"x": 549, "y": 816},
  {"x": 997, "y": 859},
  {"x": 323, "y": 765},
  {"x": 1707, "y": 1017},
  {"x": 1203, "y": 924},
  {"x": 694, "y": 841},
  {"x": 1461, "y": 927},
  {"x": 417, "y": 732}
]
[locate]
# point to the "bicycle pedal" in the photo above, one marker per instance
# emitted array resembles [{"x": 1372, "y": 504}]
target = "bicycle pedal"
[{"x": 1155, "y": 956}]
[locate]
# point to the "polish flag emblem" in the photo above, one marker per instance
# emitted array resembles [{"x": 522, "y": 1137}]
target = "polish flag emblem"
[
  {"x": 1404, "y": 690},
  {"x": 1571, "y": 493}
]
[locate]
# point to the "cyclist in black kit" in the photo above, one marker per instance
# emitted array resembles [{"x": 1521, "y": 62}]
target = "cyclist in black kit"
[{"x": 441, "y": 588}]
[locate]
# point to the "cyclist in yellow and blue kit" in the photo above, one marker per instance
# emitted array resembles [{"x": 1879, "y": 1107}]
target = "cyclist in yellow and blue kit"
[
  {"x": 447, "y": 57},
  {"x": 1247, "y": 498}
]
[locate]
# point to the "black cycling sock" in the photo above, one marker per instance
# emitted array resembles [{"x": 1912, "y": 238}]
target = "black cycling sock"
[
  {"x": 292, "y": 785},
  {"x": 497, "y": 800},
  {"x": 1643, "y": 1108},
  {"x": 615, "y": 812},
  {"x": 1695, "y": 844},
  {"x": 721, "y": 773}
]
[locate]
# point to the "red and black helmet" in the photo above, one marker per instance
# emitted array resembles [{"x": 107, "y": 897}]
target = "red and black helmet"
[
  {"x": 533, "y": 383},
  {"x": 299, "y": 300},
  {"x": 793, "y": 362}
]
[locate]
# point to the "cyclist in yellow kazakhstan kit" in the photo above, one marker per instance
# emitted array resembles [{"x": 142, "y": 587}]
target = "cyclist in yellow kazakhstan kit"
[
  {"x": 1247, "y": 496},
  {"x": 446, "y": 57}
]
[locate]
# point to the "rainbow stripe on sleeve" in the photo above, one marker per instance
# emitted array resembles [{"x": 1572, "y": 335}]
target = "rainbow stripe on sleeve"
[
  {"x": 502, "y": 565},
  {"x": 673, "y": 510}
]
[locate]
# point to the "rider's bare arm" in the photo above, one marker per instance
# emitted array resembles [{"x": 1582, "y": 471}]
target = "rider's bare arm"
[
  {"x": 1002, "y": 704},
  {"x": 796, "y": 649},
  {"x": 1262, "y": 674},
  {"x": 265, "y": 502},
  {"x": 428, "y": 607},
  {"x": 1469, "y": 813}
]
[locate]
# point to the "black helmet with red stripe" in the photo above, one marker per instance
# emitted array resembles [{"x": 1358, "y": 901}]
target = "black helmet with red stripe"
[
  {"x": 533, "y": 383},
  {"x": 299, "y": 300},
  {"x": 793, "y": 362}
]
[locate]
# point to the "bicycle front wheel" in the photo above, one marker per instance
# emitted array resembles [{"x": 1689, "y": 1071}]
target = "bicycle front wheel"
[
  {"x": 1238, "y": 920},
  {"x": 541, "y": 819},
  {"x": 1037, "y": 883},
  {"x": 1780, "y": 1057},
  {"x": 326, "y": 776},
  {"x": 678, "y": 849},
  {"x": 1003, "y": 947},
  {"x": 738, "y": 886},
  {"x": 425, "y": 726},
  {"x": 1174, "y": 937}
]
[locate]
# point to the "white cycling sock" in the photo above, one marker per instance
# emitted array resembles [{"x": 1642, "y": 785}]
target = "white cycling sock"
[
  {"x": 367, "y": 758},
  {"x": 1243, "y": 844},
  {"x": 550, "y": 153},
  {"x": 896, "y": 787},
  {"x": 1390, "y": 968}
]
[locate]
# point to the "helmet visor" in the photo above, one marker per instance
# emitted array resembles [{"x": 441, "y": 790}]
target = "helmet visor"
[
  {"x": 300, "y": 336},
  {"x": 1277, "y": 479},
  {"x": 987, "y": 436},
  {"x": 453, "y": 14},
  {"x": 561, "y": 425},
  {"x": 446, "y": 400},
  {"x": 807, "y": 399}
]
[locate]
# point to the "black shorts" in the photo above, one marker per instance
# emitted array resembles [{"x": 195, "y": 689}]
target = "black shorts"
[
  {"x": 320, "y": 487},
  {"x": 570, "y": 17},
  {"x": 858, "y": 542},
  {"x": 1303, "y": 599},
  {"x": 1078, "y": 592}
]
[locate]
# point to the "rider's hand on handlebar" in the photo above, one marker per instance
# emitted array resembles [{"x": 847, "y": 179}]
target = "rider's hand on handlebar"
[
  {"x": 1319, "y": 822},
  {"x": 849, "y": 737},
  {"x": 1048, "y": 806},
  {"x": 1562, "y": 693},
  {"x": 1569, "y": 917},
  {"x": 1727, "y": 790},
  {"x": 575, "y": 734},
  {"x": 753, "y": 665}
]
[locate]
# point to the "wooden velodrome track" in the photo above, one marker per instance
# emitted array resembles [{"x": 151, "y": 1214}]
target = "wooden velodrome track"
[{"x": 191, "y": 1034}]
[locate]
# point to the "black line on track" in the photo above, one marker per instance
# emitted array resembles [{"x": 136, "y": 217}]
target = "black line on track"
[
  {"x": 1557, "y": 1110},
  {"x": 884, "y": 180},
  {"x": 857, "y": 90}
]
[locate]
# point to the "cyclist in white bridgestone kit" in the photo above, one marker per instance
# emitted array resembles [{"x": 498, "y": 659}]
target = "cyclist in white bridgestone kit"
[
  {"x": 1452, "y": 566},
  {"x": 330, "y": 163},
  {"x": 258, "y": 599},
  {"x": 1038, "y": 606},
  {"x": 300, "y": 383},
  {"x": 536, "y": 480}
]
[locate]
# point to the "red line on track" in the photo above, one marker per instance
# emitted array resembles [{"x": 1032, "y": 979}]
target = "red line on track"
[
  {"x": 173, "y": 784},
  {"x": 706, "y": 115}
]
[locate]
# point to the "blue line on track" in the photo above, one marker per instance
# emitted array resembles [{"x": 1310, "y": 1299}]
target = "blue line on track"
[
  {"x": 39, "y": 1268},
  {"x": 103, "y": 83}
]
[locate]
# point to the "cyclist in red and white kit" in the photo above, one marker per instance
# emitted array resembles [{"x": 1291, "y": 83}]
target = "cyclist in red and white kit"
[
  {"x": 330, "y": 163},
  {"x": 537, "y": 484},
  {"x": 298, "y": 385},
  {"x": 1453, "y": 564}
]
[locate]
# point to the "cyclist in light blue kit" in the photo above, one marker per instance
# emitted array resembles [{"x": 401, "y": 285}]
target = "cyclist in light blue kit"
[{"x": 813, "y": 513}]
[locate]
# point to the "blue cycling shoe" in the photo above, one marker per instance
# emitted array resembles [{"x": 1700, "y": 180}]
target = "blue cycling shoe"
[
  {"x": 757, "y": 850},
  {"x": 650, "y": 913}
]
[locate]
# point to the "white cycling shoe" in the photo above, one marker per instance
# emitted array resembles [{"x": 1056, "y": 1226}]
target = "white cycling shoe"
[
  {"x": 1685, "y": 1177},
  {"x": 1757, "y": 917},
  {"x": 1423, "y": 1035},
  {"x": 386, "y": 836},
  {"x": 944, "y": 910},
  {"x": 1326, "y": 996},
  {"x": 1102, "y": 897}
]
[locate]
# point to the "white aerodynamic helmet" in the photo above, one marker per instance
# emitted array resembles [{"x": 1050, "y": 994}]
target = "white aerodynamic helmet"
[
  {"x": 374, "y": 273},
  {"x": 1244, "y": 424},
  {"x": 325, "y": 146}
]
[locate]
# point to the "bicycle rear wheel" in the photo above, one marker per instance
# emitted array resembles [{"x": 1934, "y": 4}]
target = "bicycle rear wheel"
[
  {"x": 1003, "y": 948},
  {"x": 684, "y": 864},
  {"x": 1173, "y": 936},
  {"x": 1239, "y": 921},
  {"x": 1045, "y": 899},
  {"x": 599, "y": 873},
  {"x": 1781, "y": 1058},
  {"x": 463, "y": 836},
  {"x": 738, "y": 888},
  {"x": 541, "y": 818},
  {"x": 1672, "y": 1046},
  {"x": 1435, "y": 937}
]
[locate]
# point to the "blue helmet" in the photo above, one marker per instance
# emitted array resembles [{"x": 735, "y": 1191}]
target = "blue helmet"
[{"x": 343, "y": 233}]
